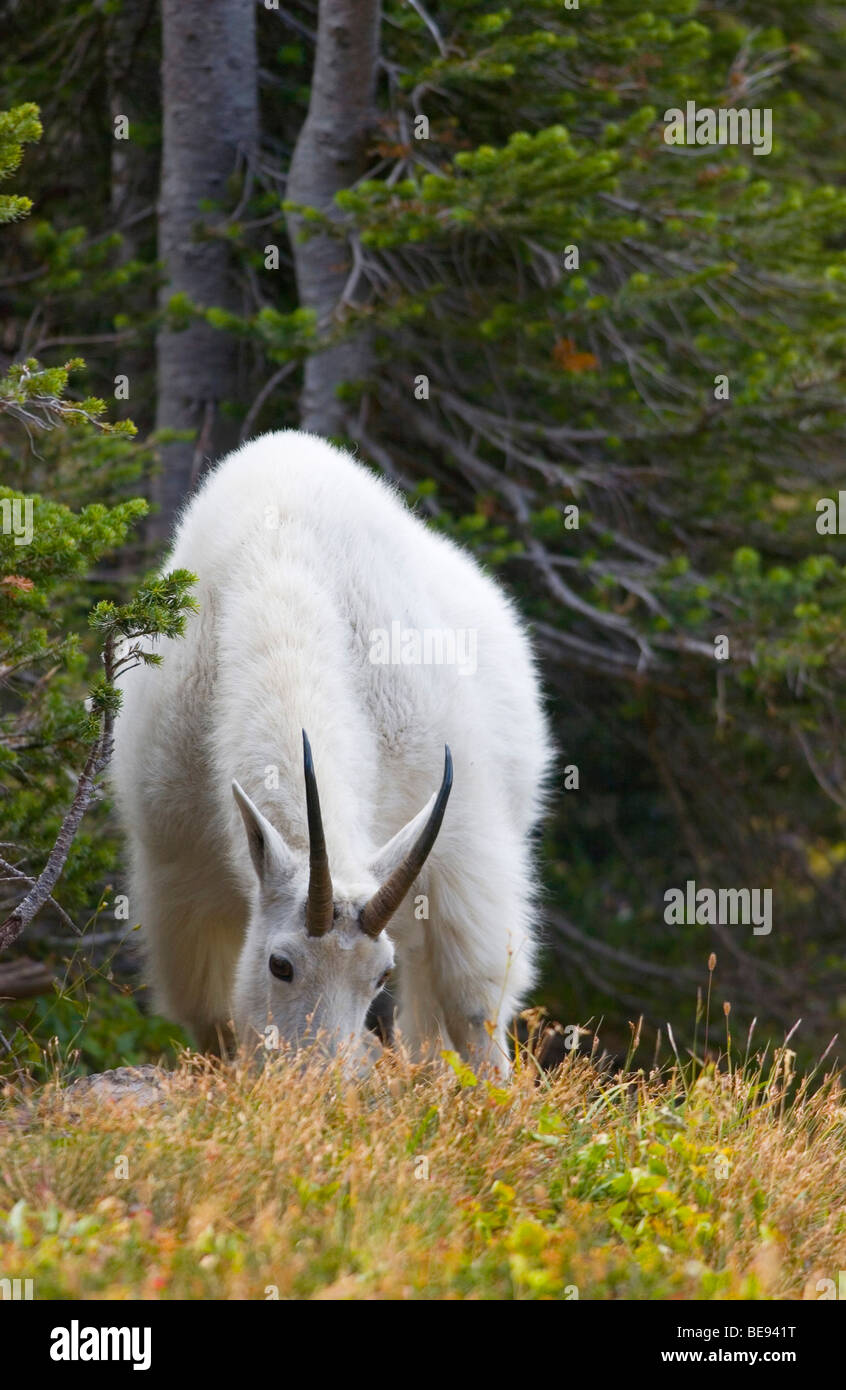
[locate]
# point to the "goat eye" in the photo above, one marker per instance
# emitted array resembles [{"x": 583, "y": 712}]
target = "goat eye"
[{"x": 281, "y": 967}]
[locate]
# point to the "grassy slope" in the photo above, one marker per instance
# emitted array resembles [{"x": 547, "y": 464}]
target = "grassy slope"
[{"x": 648, "y": 1187}]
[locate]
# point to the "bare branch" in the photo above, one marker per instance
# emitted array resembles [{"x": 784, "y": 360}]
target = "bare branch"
[{"x": 96, "y": 761}]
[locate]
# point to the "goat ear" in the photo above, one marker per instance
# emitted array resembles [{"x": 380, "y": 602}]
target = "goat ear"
[
  {"x": 394, "y": 851},
  {"x": 267, "y": 848}
]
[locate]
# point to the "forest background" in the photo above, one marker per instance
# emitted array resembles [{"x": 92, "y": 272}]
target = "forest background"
[{"x": 453, "y": 237}]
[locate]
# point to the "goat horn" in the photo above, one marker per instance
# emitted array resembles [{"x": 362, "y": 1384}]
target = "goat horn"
[
  {"x": 320, "y": 902},
  {"x": 376, "y": 914}
]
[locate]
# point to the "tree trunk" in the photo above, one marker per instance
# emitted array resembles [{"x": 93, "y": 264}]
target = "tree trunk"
[
  {"x": 329, "y": 156},
  {"x": 132, "y": 82},
  {"x": 209, "y": 127}
]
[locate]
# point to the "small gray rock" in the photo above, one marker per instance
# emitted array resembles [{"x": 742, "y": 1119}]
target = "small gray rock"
[{"x": 140, "y": 1084}]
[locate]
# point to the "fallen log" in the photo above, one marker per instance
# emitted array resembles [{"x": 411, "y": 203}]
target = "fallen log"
[{"x": 24, "y": 978}]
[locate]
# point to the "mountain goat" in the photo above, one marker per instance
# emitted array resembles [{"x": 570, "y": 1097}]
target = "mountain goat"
[{"x": 279, "y": 886}]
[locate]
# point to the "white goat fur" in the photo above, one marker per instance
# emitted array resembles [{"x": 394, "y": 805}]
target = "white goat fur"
[{"x": 300, "y": 553}]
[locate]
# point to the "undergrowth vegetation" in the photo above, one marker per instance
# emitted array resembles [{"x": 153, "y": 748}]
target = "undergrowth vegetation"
[{"x": 719, "y": 1181}]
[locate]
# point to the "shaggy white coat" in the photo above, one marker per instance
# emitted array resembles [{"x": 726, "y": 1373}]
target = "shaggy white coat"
[{"x": 301, "y": 554}]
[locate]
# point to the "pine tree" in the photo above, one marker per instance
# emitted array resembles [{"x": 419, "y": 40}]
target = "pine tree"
[{"x": 49, "y": 737}]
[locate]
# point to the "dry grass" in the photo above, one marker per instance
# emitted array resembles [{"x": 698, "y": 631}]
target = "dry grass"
[{"x": 426, "y": 1183}]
